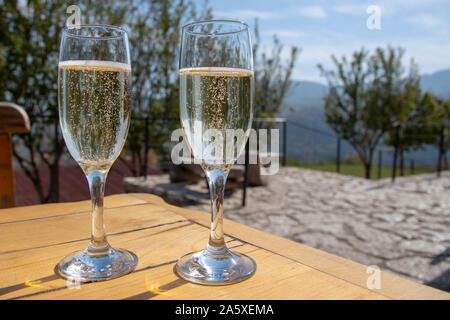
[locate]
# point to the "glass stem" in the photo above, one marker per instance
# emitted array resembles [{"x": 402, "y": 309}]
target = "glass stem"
[
  {"x": 99, "y": 244},
  {"x": 216, "y": 181}
]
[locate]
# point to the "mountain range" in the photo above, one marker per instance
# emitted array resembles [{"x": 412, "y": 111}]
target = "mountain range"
[{"x": 304, "y": 105}]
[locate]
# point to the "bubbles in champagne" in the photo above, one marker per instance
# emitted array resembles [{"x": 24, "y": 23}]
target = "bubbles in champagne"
[
  {"x": 94, "y": 106},
  {"x": 215, "y": 100}
]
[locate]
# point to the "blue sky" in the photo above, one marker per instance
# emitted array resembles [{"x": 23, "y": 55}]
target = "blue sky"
[{"x": 321, "y": 28}]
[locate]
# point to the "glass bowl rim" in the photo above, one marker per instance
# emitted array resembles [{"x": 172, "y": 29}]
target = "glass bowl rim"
[
  {"x": 244, "y": 26},
  {"x": 121, "y": 31}
]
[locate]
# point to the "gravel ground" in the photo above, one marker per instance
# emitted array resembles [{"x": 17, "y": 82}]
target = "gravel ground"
[{"x": 403, "y": 228}]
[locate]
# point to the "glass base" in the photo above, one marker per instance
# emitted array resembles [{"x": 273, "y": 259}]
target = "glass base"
[
  {"x": 86, "y": 266},
  {"x": 215, "y": 268}
]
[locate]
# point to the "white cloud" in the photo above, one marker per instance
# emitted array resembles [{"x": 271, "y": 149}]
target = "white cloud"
[
  {"x": 425, "y": 20},
  {"x": 314, "y": 12},
  {"x": 429, "y": 56},
  {"x": 388, "y": 7},
  {"x": 247, "y": 14},
  {"x": 430, "y": 49},
  {"x": 286, "y": 33},
  {"x": 353, "y": 9},
  {"x": 398, "y": 7}
]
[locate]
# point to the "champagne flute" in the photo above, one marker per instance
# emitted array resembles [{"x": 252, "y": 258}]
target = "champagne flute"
[
  {"x": 94, "y": 95},
  {"x": 216, "y": 110}
]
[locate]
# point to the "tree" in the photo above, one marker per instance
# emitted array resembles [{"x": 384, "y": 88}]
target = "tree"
[
  {"x": 367, "y": 96},
  {"x": 29, "y": 46},
  {"x": 350, "y": 106},
  {"x": 415, "y": 124},
  {"x": 272, "y": 76},
  {"x": 405, "y": 117},
  {"x": 438, "y": 122},
  {"x": 154, "y": 40}
]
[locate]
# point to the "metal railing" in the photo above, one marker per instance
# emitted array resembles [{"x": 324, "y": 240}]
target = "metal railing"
[{"x": 283, "y": 122}]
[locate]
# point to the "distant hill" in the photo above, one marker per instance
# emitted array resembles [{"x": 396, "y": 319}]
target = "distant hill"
[
  {"x": 304, "y": 105},
  {"x": 438, "y": 83},
  {"x": 304, "y": 94}
]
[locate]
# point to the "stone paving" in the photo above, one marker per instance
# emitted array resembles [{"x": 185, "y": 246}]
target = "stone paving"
[{"x": 403, "y": 228}]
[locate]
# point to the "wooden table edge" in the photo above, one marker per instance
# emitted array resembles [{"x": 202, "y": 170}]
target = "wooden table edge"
[
  {"x": 328, "y": 263},
  {"x": 392, "y": 286}
]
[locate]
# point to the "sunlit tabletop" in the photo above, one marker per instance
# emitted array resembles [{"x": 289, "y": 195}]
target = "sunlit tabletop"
[{"x": 33, "y": 239}]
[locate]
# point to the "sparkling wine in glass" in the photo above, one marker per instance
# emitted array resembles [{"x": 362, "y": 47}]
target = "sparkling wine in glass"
[
  {"x": 94, "y": 92},
  {"x": 216, "y": 109}
]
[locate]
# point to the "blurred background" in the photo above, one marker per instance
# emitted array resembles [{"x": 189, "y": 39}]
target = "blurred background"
[
  {"x": 359, "y": 90},
  {"x": 307, "y": 55}
]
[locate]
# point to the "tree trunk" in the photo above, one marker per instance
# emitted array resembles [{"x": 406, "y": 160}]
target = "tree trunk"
[
  {"x": 53, "y": 192},
  {"x": 444, "y": 158},
  {"x": 367, "y": 167},
  {"x": 402, "y": 163}
]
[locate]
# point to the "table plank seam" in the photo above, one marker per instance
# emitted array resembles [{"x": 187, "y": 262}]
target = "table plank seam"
[
  {"x": 70, "y": 214},
  {"x": 289, "y": 258},
  {"x": 19, "y": 286},
  {"x": 349, "y": 277},
  {"x": 88, "y": 283},
  {"x": 146, "y": 295},
  {"x": 293, "y": 259},
  {"x": 86, "y": 239},
  {"x": 327, "y": 273},
  {"x": 297, "y": 261},
  {"x": 15, "y": 287}
]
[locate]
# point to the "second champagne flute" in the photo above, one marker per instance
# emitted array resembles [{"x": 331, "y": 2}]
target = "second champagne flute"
[{"x": 216, "y": 108}]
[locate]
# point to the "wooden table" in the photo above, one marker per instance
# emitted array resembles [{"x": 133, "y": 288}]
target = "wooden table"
[{"x": 33, "y": 239}]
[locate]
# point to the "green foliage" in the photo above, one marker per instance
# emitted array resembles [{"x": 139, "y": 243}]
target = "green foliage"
[
  {"x": 351, "y": 109},
  {"x": 155, "y": 29},
  {"x": 358, "y": 170},
  {"x": 438, "y": 121},
  {"x": 371, "y": 94},
  {"x": 29, "y": 45},
  {"x": 419, "y": 117}
]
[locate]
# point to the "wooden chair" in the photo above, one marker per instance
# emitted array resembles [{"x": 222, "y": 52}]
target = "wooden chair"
[{"x": 13, "y": 119}]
